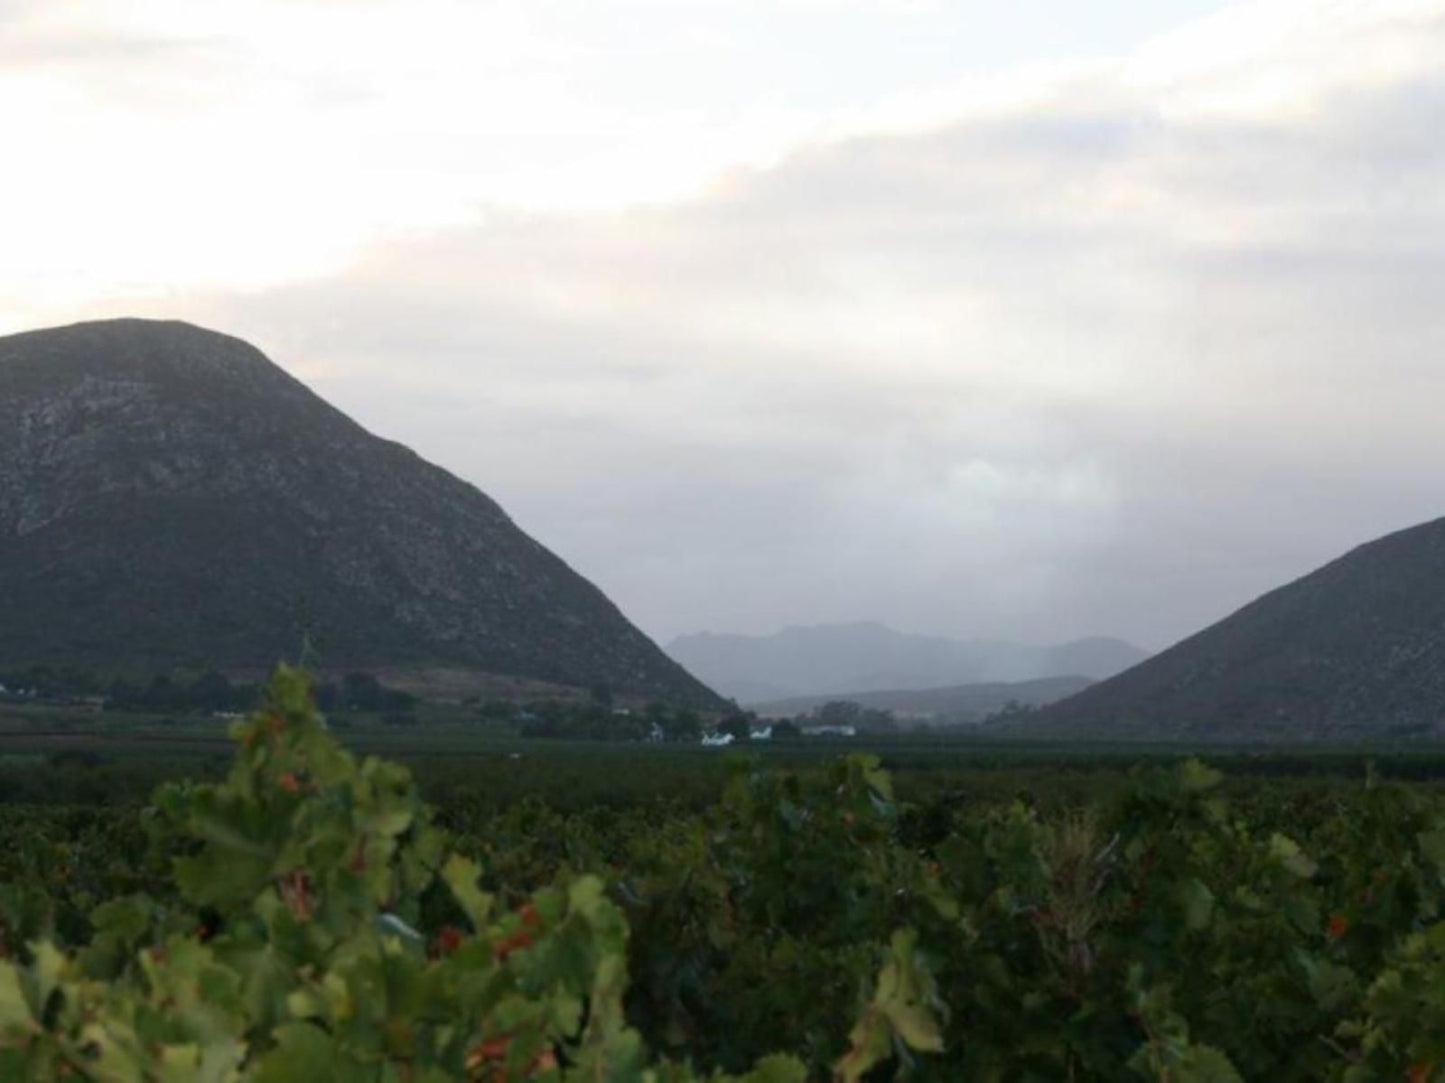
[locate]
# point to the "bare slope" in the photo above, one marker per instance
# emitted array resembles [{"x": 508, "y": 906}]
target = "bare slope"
[{"x": 168, "y": 496}]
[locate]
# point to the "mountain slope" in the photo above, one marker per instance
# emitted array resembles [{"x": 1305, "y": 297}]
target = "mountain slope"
[
  {"x": 1355, "y": 649},
  {"x": 168, "y": 496},
  {"x": 834, "y": 659},
  {"x": 953, "y": 704}
]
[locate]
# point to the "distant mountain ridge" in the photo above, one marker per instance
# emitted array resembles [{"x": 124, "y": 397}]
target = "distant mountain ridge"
[
  {"x": 169, "y": 497},
  {"x": 867, "y": 656},
  {"x": 963, "y": 704},
  {"x": 1354, "y": 650}
]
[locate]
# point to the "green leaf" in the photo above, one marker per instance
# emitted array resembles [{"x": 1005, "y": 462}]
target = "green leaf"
[
  {"x": 1205, "y": 1064},
  {"x": 303, "y": 1054},
  {"x": 1198, "y": 903},
  {"x": 1195, "y": 776},
  {"x": 1432, "y": 845},
  {"x": 901, "y": 1007},
  {"x": 15, "y": 1013},
  {"x": 1333, "y": 987},
  {"x": 1288, "y": 853},
  {"x": 461, "y": 875},
  {"x": 46, "y": 971},
  {"x": 777, "y": 1069}
]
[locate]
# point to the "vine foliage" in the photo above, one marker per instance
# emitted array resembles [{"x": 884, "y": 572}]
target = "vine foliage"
[{"x": 293, "y": 948}]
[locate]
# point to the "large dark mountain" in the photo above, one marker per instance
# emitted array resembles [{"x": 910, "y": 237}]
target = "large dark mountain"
[
  {"x": 838, "y": 659},
  {"x": 1353, "y": 650},
  {"x": 169, "y": 497}
]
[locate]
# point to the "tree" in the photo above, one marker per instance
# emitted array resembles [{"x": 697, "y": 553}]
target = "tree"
[
  {"x": 498, "y": 710},
  {"x": 735, "y": 725},
  {"x": 163, "y": 695},
  {"x": 362, "y": 692},
  {"x": 786, "y": 730},
  {"x": 877, "y": 720},
  {"x": 211, "y": 691},
  {"x": 839, "y": 712},
  {"x": 682, "y": 725},
  {"x": 327, "y": 697}
]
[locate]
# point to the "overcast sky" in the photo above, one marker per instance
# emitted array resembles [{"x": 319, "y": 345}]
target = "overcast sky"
[{"x": 1034, "y": 320}]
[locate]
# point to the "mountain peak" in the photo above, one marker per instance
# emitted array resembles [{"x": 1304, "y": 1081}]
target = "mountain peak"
[{"x": 128, "y": 345}]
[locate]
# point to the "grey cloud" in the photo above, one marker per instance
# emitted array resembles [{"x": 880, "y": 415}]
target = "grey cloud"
[{"x": 1086, "y": 369}]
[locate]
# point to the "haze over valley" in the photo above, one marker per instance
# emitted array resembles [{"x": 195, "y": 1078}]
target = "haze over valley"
[{"x": 840, "y": 659}]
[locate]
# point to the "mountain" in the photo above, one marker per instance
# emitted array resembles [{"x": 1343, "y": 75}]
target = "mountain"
[
  {"x": 960, "y": 704},
  {"x": 831, "y": 659},
  {"x": 170, "y": 497},
  {"x": 1353, "y": 650}
]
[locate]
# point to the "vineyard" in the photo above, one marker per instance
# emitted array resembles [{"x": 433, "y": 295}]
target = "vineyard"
[{"x": 306, "y": 916}]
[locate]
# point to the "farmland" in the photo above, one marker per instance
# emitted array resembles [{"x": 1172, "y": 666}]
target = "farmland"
[{"x": 1043, "y": 912}]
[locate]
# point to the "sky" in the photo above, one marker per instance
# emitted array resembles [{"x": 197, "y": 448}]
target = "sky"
[{"x": 1026, "y": 321}]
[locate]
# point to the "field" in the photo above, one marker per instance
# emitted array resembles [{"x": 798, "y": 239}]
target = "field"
[
  {"x": 943, "y": 909},
  {"x": 54, "y": 755}
]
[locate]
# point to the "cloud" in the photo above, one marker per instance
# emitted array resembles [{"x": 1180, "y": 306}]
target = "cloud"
[{"x": 1110, "y": 353}]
